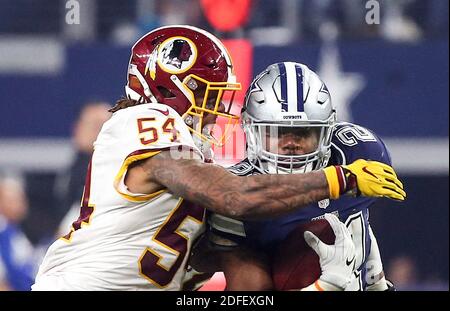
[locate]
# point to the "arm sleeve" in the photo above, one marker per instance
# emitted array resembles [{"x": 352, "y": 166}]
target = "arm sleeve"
[{"x": 376, "y": 280}]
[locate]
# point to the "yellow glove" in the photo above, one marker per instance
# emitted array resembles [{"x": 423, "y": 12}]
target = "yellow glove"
[{"x": 366, "y": 178}]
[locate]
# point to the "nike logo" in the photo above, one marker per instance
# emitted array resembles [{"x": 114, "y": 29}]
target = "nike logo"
[
  {"x": 349, "y": 262},
  {"x": 166, "y": 112},
  {"x": 369, "y": 172}
]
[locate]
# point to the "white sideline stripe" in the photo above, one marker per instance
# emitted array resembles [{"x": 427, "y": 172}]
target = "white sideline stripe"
[
  {"x": 35, "y": 154},
  {"x": 409, "y": 156},
  {"x": 31, "y": 55},
  {"x": 419, "y": 155}
]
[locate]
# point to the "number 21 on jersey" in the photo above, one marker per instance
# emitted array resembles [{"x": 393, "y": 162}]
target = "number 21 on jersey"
[{"x": 350, "y": 135}]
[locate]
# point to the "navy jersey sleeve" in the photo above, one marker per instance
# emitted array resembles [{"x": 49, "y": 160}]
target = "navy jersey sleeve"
[{"x": 351, "y": 142}]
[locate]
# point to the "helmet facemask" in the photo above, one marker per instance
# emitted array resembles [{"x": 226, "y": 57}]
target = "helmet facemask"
[
  {"x": 210, "y": 117},
  {"x": 263, "y": 144}
]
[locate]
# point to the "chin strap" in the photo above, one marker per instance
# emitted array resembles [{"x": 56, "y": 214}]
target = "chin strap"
[{"x": 205, "y": 147}]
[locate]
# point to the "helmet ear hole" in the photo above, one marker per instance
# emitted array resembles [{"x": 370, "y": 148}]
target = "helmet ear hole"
[
  {"x": 134, "y": 83},
  {"x": 165, "y": 92}
]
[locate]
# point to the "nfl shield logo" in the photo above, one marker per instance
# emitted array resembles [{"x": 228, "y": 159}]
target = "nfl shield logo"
[{"x": 324, "y": 203}]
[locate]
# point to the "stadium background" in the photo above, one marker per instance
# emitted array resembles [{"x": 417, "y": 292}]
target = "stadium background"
[{"x": 391, "y": 77}]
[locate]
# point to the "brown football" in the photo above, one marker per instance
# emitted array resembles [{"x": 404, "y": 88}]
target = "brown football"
[{"x": 296, "y": 265}]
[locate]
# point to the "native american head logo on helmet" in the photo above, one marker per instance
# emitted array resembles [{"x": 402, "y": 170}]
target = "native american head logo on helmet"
[{"x": 176, "y": 52}]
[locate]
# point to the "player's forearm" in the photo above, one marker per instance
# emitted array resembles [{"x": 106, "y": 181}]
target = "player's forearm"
[
  {"x": 274, "y": 195},
  {"x": 249, "y": 197}
]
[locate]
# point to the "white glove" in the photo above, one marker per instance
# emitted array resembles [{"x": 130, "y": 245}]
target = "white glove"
[{"x": 337, "y": 261}]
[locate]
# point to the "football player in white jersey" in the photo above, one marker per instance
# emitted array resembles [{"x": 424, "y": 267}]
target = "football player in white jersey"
[{"x": 147, "y": 184}]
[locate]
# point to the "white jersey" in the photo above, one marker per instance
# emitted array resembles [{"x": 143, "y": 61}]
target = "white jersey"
[{"x": 122, "y": 240}]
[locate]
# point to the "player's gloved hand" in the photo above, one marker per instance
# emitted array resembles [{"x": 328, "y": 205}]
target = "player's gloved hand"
[
  {"x": 337, "y": 261},
  {"x": 366, "y": 178}
]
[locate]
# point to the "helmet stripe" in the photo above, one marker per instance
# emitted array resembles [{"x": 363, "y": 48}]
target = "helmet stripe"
[
  {"x": 300, "y": 103},
  {"x": 283, "y": 84},
  {"x": 292, "y": 88}
]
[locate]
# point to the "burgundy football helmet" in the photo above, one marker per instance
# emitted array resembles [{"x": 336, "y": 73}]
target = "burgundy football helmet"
[{"x": 187, "y": 69}]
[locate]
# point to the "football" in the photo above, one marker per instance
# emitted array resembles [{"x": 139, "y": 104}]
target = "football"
[{"x": 296, "y": 265}]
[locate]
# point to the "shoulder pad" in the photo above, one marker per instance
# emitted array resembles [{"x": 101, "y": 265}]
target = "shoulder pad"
[{"x": 351, "y": 142}]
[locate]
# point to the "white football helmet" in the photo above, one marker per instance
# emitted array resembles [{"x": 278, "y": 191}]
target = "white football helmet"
[{"x": 284, "y": 97}]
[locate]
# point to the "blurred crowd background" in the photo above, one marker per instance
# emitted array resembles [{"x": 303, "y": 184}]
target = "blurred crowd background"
[
  {"x": 277, "y": 22},
  {"x": 58, "y": 79}
]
